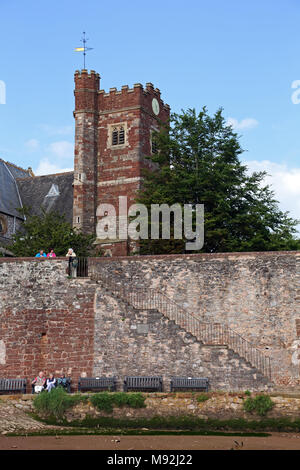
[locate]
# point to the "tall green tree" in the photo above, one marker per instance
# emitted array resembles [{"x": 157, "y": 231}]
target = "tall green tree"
[
  {"x": 198, "y": 163},
  {"x": 46, "y": 231}
]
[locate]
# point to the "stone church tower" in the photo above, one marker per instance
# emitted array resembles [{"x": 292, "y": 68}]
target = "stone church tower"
[{"x": 112, "y": 138}]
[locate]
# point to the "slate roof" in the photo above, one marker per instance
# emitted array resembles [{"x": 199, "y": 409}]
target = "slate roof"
[
  {"x": 9, "y": 193},
  {"x": 52, "y": 192}
]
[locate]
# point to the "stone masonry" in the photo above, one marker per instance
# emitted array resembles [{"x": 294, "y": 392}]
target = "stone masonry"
[
  {"x": 144, "y": 342},
  {"x": 50, "y": 322},
  {"x": 255, "y": 294}
]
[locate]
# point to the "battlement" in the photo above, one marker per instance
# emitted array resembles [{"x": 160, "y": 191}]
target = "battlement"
[
  {"x": 138, "y": 91},
  {"x": 85, "y": 73},
  {"x": 86, "y": 81}
]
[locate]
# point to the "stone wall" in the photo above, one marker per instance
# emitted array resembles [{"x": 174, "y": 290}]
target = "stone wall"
[
  {"x": 144, "y": 342},
  {"x": 220, "y": 406},
  {"x": 255, "y": 294},
  {"x": 48, "y": 321}
]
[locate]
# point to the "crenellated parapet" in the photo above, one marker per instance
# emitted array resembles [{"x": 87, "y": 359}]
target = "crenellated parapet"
[
  {"x": 126, "y": 96},
  {"x": 86, "y": 89}
]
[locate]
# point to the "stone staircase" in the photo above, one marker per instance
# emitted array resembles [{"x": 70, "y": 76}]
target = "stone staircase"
[{"x": 209, "y": 334}]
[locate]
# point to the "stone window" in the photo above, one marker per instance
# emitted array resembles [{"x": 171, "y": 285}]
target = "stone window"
[{"x": 118, "y": 135}]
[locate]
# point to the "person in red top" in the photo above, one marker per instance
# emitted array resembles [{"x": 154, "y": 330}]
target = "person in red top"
[{"x": 51, "y": 254}]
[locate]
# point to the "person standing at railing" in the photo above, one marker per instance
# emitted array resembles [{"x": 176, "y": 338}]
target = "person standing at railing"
[
  {"x": 51, "y": 254},
  {"x": 40, "y": 254},
  {"x": 73, "y": 262}
]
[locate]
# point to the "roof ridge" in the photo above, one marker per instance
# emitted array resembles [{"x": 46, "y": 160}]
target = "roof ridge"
[
  {"x": 29, "y": 169},
  {"x": 43, "y": 176}
]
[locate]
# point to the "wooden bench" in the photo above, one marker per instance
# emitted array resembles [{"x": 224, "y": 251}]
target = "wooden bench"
[
  {"x": 188, "y": 383},
  {"x": 146, "y": 384},
  {"x": 97, "y": 384},
  {"x": 8, "y": 386}
]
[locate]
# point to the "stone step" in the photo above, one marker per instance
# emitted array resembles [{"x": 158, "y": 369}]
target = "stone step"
[{"x": 183, "y": 327}]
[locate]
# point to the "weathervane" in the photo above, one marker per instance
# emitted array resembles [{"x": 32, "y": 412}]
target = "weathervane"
[{"x": 84, "y": 48}]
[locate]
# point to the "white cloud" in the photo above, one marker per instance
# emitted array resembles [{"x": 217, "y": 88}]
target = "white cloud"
[
  {"x": 247, "y": 123},
  {"x": 284, "y": 181},
  {"x": 62, "y": 149},
  {"x": 47, "y": 168},
  {"x": 32, "y": 144}
]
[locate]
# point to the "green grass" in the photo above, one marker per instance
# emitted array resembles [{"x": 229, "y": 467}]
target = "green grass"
[
  {"x": 56, "y": 403},
  {"x": 134, "y": 432},
  {"x": 202, "y": 397},
  {"x": 106, "y": 401},
  {"x": 261, "y": 404},
  {"x": 187, "y": 423}
]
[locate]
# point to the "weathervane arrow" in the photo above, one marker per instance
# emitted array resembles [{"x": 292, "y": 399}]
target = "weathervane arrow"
[{"x": 83, "y": 49}]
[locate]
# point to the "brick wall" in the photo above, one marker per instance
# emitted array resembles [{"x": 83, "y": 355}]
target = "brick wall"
[
  {"x": 46, "y": 320},
  {"x": 102, "y": 171}
]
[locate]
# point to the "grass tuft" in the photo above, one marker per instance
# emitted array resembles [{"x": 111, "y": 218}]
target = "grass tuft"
[
  {"x": 261, "y": 404},
  {"x": 56, "y": 402},
  {"x": 106, "y": 401}
]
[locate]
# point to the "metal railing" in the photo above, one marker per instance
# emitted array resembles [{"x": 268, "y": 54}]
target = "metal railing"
[
  {"x": 207, "y": 333},
  {"x": 78, "y": 267}
]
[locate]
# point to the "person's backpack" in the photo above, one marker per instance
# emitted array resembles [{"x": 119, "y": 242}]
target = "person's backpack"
[{"x": 75, "y": 263}]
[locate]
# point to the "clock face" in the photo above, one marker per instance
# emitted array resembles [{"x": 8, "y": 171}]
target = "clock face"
[{"x": 155, "y": 106}]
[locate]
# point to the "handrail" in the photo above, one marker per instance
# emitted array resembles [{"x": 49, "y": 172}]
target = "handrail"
[{"x": 208, "y": 333}]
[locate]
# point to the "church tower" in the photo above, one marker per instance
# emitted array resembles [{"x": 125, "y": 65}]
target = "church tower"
[{"x": 113, "y": 135}]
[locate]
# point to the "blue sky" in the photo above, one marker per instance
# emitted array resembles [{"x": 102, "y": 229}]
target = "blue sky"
[{"x": 242, "y": 56}]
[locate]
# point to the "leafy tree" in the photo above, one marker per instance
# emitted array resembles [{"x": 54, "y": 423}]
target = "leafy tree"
[
  {"x": 46, "y": 231},
  {"x": 198, "y": 162}
]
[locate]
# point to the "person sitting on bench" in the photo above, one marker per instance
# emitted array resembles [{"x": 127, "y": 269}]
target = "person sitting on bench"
[
  {"x": 38, "y": 383},
  {"x": 50, "y": 383},
  {"x": 64, "y": 382}
]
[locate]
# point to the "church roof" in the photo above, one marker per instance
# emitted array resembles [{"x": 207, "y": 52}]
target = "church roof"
[
  {"x": 52, "y": 192},
  {"x": 10, "y": 200}
]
